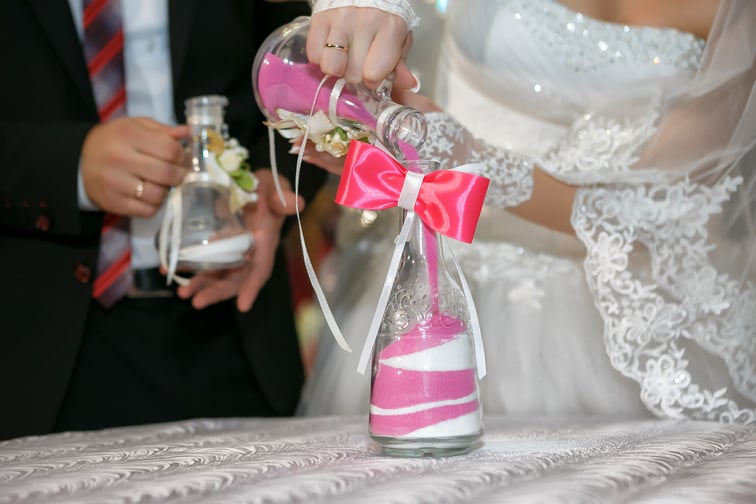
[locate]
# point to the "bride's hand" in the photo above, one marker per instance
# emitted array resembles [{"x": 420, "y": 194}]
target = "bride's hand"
[
  {"x": 324, "y": 160},
  {"x": 375, "y": 45},
  {"x": 418, "y": 102}
]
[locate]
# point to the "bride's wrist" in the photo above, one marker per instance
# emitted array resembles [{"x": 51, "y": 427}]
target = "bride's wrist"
[{"x": 401, "y": 8}]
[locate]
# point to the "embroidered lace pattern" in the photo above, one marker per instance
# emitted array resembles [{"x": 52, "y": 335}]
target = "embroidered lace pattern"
[
  {"x": 401, "y": 8},
  {"x": 597, "y": 146},
  {"x": 648, "y": 322},
  {"x": 528, "y": 271},
  {"x": 510, "y": 174}
]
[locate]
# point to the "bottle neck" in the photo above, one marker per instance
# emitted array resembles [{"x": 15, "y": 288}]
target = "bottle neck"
[
  {"x": 400, "y": 128},
  {"x": 205, "y": 117},
  {"x": 199, "y": 149}
]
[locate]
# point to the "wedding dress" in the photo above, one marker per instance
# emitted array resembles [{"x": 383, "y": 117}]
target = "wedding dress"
[{"x": 651, "y": 308}]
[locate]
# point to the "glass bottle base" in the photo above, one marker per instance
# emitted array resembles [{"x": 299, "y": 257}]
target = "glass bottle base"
[{"x": 428, "y": 447}]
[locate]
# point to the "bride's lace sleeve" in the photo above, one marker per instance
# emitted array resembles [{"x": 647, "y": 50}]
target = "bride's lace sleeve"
[
  {"x": 511, "y": 174},
  {"x": 401, "y": 8}
]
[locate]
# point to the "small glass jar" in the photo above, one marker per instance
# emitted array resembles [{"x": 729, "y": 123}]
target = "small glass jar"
[
  {"x": 424, "y": 398},
  {"x": 207, "y": 234}
]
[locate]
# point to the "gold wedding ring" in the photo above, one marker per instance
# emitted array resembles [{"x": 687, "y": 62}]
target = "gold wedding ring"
[
  {"x": 339, "y": 47},
  {"x": 139, "y": 192}
]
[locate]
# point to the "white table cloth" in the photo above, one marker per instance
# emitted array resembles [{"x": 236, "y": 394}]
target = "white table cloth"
[{"x": 332, "y": 460}]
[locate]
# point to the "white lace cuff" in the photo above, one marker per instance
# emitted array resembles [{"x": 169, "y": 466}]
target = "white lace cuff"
[
  {"x": 401, "y": 8},
  {"x": 511, "y": 174}
]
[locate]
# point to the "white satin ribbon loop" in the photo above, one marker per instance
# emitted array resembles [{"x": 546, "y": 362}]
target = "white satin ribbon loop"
[
  {"x": 480, "y": 356},
  {"x": 388, "y": 283},
  {"x": 333, "y": 101},
  {"x": 410, "y": 190},
  {"x": 169, "y": 240},
  {"x": 316, "y": 288},
  {"x": 274, "y": 164}
]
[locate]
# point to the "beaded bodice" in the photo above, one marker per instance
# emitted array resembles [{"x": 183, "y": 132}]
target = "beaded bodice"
[{"x": 555, "y": 62}]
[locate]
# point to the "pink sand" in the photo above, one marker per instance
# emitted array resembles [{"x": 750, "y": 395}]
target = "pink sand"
[
  {"x": 402, "y": 425},
  {"x": 292, "y": 86},
  {"x": 396, "y": 387},
  {"x": 401, "y": 388}
]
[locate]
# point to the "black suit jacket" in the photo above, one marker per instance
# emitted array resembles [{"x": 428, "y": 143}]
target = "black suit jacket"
[{"x": 48, "y": 248}]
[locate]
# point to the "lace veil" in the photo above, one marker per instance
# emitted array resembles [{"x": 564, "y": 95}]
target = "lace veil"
[{"x": 667, "y": 212}]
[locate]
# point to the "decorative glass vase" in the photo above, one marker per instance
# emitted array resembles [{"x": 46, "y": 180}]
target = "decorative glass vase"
[
  {"x": 285, "y": 82},
  {"x": 424, "y": 397},
  {"x": 203, "y": 233}
]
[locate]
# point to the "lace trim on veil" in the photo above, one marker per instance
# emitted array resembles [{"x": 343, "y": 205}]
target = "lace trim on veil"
[{"x": 645, "y": 322}]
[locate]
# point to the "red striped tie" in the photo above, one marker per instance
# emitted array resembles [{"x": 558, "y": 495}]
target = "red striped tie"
[{"x": 103, "y": 49}]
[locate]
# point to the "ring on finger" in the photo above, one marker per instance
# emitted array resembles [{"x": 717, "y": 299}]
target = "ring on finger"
[
  {"x": 338, "y": 47},
  {"x": 139, "y": 191}
]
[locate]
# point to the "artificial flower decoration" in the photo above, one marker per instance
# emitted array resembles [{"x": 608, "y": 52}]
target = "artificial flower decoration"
[
  {"x": 326, "y": 135},
  {"x": 229, "y": 166}
]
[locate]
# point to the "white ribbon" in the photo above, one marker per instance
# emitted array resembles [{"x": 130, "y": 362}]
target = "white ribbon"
[
  {"x": 333, "y": 100},
  {"x": 410, "y": 190},
  {"x": 170, "y": 238},
  {"x": 274, "y": 164},
  {"x": 375, "y": 325},
  {"x": 316, "y": 288}
]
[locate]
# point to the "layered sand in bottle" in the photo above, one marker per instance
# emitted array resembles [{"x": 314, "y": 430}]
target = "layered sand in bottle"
[{"x": 424, "y": 384}]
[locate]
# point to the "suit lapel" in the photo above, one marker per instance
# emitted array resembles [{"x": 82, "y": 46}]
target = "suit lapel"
[
  {"x": 180, "y": 16},
  {"x": 64, "y": 39}
]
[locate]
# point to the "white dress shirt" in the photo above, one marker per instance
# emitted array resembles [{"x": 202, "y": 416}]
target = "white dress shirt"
[{"x": 149, "y": 92}]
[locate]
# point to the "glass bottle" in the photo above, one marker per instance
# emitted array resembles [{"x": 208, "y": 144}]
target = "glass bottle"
[
  {"x": 207, "y": 233},
  {"x": 282, "y": 78},
  {"x": 424, "y": 397}
]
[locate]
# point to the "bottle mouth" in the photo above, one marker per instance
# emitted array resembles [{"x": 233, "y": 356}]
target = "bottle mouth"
[
  {"x": 422, "y": 165},
  {"x": 403, "y": 130},
  {"x": 206, "y": 110}
]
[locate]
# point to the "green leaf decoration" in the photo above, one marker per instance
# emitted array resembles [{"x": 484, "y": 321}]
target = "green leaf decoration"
[
  {"x": 244, "y": 179},
  {"x": 342, "y": 134}
]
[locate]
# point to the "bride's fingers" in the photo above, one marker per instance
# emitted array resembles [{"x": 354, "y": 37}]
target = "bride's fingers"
[
  {"x": 328, "y": 45},
  {"x": 357, "y": 55},
  {"x": 324, "y": 160},
  {"x": 334, "y": 59},
  {"x": 316, "y": 37},
  {"x": 383, "y": 54},
  {"x": 405, "y": 79}
]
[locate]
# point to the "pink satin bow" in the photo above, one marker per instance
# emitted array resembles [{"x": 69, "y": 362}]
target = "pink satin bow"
[{"x": 449, "y": 201}]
